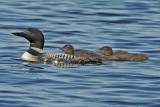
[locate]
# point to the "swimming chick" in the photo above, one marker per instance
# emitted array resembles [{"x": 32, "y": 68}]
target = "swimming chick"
[
  {"x": 36, "y": 39},
  {"x": 108, "y": 54},
  {"x": 69, "y": 49}
]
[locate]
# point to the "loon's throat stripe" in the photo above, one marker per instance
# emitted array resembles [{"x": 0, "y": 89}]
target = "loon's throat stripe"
[{"x": 33, "y": 52}]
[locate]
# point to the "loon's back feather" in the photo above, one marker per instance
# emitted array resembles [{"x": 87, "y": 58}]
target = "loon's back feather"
[{"x": 49, "y": 57}]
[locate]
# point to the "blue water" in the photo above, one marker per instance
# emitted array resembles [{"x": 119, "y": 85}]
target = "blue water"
[{"x": 129, "y": 25}]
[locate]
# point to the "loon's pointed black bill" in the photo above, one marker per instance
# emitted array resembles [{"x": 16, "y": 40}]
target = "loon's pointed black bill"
[{"x": 22, "y": 34}]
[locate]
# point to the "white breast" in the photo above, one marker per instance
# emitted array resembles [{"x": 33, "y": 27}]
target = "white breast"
[{"x": 28, "y": 57}]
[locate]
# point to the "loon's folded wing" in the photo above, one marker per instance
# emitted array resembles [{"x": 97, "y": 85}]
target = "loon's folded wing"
[{"x": 49, "y": 57}]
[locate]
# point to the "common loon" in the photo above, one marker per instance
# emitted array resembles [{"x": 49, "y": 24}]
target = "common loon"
[
  {"x": 108, "y": 54},
  {"x": 69, "y": 49},
  {"x": 36, "y": 39}
]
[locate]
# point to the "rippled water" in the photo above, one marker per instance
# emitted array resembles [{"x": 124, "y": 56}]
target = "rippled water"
[{"x": 130, "y": 25}]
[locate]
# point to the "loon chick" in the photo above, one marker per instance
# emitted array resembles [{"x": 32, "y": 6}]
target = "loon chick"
[
  {"x": 36, "y": 39},
  {"x": 69, "y": 49},
  {"x": 108, "y": 54}
]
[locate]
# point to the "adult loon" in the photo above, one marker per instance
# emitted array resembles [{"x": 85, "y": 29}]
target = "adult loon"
[
  {"x": 36, "y": 39},
  {"x": 69, "y": 49},
  {"x": 108, "y": 54}
]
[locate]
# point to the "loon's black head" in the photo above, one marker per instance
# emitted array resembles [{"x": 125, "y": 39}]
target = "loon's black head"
[{"x": 34, "y": 36}]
